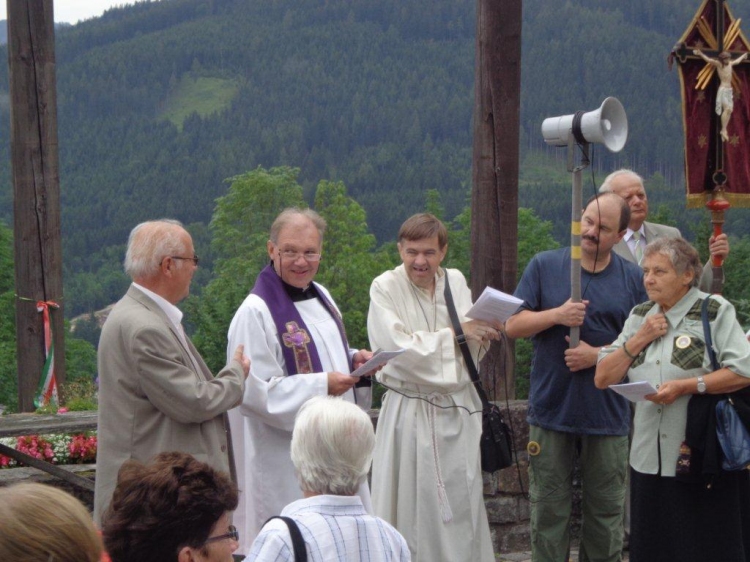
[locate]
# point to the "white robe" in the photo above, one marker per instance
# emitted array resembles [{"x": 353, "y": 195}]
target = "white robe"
[
  {"x": 262, "y": 425},
  {"x": 418, "y": 446}
]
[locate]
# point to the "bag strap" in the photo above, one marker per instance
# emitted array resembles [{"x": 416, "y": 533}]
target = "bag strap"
[
  {"x": 298, "y": 543},
  {"x": 462, "y": 343},
  {"x": 707, "y": 335}
]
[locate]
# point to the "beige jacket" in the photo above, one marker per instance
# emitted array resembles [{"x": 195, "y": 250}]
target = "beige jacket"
[{"x": 153, "y": 399}]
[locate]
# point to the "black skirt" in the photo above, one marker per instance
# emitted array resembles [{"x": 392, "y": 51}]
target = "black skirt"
[{"x": 686, "y": 522}]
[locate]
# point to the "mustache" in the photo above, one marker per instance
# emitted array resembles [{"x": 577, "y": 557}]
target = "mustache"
[{"x": 590, "y": 238}]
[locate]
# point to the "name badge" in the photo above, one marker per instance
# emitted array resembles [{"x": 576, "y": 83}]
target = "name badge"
[{"x": 683, "y": 342}]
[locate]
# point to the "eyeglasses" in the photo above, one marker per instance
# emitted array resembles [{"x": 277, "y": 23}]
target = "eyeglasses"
[
  {"x": 293, "y": 255},
  {"x": 233, "y": 534},
  {"x": 195, "y": 259}
]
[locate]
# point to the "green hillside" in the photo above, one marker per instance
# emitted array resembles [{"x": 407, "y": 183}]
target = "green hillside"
[{"x": 159, "y": 103}]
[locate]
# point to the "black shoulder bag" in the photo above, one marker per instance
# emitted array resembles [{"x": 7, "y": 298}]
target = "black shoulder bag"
[
  {"x": 298, "y": 543},
  {"x": 731, "y": 432},
  {"x": 496, "y": 445}
]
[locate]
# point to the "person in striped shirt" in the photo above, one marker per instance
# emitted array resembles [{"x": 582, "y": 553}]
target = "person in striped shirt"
[{"x": 332, "y": 444}]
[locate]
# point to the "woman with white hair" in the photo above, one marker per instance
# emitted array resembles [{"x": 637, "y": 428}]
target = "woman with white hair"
[{"x": 331, "y": 450}]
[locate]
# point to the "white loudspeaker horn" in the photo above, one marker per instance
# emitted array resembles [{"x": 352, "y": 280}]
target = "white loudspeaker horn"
[{"x": 607, "y": 125}]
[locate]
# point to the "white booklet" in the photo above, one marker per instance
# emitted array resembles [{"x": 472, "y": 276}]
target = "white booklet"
[
  {"x": 634, "y": 391},
  {"x": 378, "y": 358},
  {"x": 493, "y": 305}
]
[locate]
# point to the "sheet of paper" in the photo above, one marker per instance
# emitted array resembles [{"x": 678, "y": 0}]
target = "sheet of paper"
[
  {"x": 634, "y": 391},
  {"x": 378, "y": 358},
  {"x": 493, "y": 305}
]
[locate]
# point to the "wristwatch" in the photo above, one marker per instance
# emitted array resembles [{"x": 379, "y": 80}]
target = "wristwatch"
[{"x": 701, "y": 386}]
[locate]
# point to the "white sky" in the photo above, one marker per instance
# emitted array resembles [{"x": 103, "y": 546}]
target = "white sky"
[{"x": 72, "y": 11}]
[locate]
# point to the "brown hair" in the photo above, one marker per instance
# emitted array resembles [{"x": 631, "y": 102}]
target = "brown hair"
[
  {"x": 40, "y": 523},
  {"x": 161, "y": 507},
  {"x": 422, "y": 226}
]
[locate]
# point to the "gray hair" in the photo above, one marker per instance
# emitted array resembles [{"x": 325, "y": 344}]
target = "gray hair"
[
  {"x": 289, "y": 214},
  {"x": 606, "y": 186},
  {"x": 681, "y": 254},
  {"x": 332, "y": 446},
  {"x": 149, "y": 243}
]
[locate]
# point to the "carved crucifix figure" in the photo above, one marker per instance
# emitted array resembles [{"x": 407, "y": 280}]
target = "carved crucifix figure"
[{"x": 724, "y": 97}]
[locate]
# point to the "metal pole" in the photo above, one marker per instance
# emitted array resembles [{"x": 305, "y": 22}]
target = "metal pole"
[{"x": 575, "y": 229}]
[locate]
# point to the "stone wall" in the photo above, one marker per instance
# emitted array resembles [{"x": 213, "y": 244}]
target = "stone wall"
[{"x": 506, "y": 491}]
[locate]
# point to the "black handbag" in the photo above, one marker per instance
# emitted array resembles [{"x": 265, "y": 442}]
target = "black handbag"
[
  {"x": 731, "y": 432},
  {"x": 496, "y": 444}
]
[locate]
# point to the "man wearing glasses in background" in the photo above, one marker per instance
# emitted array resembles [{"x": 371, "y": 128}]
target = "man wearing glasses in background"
[
  {"x": 155, "y": 391},
  {"x": 294, "y": 335}
]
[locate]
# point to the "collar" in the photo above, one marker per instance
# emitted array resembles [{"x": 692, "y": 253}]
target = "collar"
[
  {"x": 297, "y": 294},
  {"x": 326, "y": 504},
  {"x": 173, "y": 313},
  {"x": 629, "y": 233},
  {"x": 682, "y": 306}
]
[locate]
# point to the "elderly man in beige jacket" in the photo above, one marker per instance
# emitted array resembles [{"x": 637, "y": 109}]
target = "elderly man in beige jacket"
[{"x": 155, "y": 391}]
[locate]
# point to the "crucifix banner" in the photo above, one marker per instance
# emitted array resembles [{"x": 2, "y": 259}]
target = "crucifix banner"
[{"x": 716, "y": 117}]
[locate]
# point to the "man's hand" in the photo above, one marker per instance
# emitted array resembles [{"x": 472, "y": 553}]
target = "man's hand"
[
  {"x": 242, "y": 359},
  {"x": 719, "y": 245},
  {"x": 481, "y": 331},
  {"x": 571, "y": 313},
  {"x": 338, "y": 383},
  {"x": 581, "y": 357},
  {"x": 360, "y": 358}
]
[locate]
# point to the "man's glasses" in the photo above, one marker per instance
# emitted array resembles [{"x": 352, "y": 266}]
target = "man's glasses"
[
  {"x": 195, "y": 259},
  {"x": 293, "y": 255},
  {"x": 233, "y": 534}
]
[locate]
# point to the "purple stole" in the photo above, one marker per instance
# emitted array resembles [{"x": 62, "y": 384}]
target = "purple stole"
[{"x": 300, "y": 354}]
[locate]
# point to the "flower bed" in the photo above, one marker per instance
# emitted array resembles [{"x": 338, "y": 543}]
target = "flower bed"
[{"x": 58, "y": 448}]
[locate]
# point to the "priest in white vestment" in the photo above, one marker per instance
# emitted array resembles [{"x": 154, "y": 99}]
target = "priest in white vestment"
[
  {"x": 426, "y": 475},
  {"x": 295, "y": 338}
]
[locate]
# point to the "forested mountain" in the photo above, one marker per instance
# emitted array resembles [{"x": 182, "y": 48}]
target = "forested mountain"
[{"x": 161, "y": 102}]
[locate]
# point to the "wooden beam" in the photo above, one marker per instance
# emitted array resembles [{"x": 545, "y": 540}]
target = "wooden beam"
[
  {"x": 495, "y": 167},
  {"x": 36, "y": 186},
  {"x": 15, "y": 425},
  {"x": 56, "y": 471}
]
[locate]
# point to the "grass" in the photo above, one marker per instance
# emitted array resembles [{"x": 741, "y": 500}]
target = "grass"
[{"x": 198, "y": 94}]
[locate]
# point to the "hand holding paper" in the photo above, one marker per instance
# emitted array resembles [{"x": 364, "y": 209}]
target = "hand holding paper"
[
  {"x": 379, "y": 358},
  {"x": 494, "y": 306},
  {"x": 634, "y": 391}
]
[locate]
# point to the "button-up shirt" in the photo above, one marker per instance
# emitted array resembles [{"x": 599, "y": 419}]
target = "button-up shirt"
[
  {"x": 335, "y": 529},
  {"x": 659, "y": 429}
]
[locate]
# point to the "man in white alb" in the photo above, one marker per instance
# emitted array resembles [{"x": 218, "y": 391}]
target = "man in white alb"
[{"x": 426, "y": 474}]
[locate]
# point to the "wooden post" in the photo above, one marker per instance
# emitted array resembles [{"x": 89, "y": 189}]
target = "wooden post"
[
  {"x": 495, "y": 166},
  {"x": 36, "y": 186}
]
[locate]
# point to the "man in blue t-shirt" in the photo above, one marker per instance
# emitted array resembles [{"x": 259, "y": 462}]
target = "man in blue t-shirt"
[{"x": 568, "y": 416}]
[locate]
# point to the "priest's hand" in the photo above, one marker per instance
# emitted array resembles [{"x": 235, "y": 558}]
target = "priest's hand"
[
  {"x": 360, "y": 358},
  {"x": 338, "y": 383}
]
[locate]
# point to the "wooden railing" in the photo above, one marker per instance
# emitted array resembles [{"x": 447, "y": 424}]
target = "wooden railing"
[{"x": 15, "y": 425}]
